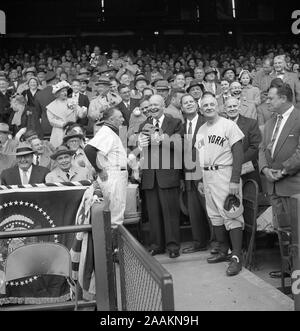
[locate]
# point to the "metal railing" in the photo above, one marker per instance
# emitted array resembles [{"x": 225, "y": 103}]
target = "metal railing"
[{"x": 145, "y": 284}]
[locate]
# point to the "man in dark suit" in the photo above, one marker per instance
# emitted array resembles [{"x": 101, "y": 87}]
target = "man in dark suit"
[
  {"x": 14, "y": 81},
  {"x": 81, "y": 99},
  {"x": 251, "y": 140},
  {"x": 290, "y": 78},
  {"x": 279, "y": 154},
  {"x": 161, "y": 174},
  {"x": 42, "y": 100},
  {"x": 25, "y": 172},
  {"x": 5, "y": 109},
  {"x": 127, "y": 104},
  {"x": 193, "y": 176}
]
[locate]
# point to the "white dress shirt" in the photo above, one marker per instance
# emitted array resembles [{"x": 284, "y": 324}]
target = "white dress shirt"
[
  {"x": 28, "y": 173},
  {"x": 285, "y": 117},
  {"x": 194, "y": 123}
]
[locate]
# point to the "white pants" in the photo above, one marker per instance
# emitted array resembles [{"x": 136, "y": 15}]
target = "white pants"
[
  {"x": 216, "y": 188},
  {"x": 114, "y": 189}
]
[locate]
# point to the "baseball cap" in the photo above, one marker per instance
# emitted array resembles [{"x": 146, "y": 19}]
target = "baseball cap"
[{"x": 233, "y": 206}]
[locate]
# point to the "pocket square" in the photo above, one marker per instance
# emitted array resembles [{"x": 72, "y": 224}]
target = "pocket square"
[{"x": 291, "y": 135}]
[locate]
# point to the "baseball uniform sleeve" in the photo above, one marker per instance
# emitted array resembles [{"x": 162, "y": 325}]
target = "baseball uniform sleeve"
[
  {"x": 103, "y": 141},
  {"x": 234, "y": 133}
]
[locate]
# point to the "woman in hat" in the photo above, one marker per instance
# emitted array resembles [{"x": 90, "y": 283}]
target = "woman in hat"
[{"x": 60, "y": 111}]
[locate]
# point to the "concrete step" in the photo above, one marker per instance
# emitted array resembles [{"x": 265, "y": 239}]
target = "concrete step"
[{"x": 199, "y": 286}]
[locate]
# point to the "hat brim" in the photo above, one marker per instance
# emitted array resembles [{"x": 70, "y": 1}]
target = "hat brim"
[
  {"x": 199, "y": 85},
  {"x": 56, "y": 155},
  {"x": 5, "y": 131},
  {"x": 142, "y": 80},
  {"x": 78, "y": 135},
  {"x": 23, "y": 153}
]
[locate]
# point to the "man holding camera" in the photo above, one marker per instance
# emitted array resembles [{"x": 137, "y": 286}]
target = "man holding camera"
[{"x": 161, "y": 143}]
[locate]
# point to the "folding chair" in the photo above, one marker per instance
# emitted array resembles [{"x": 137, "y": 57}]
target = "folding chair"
[
  {"x": 45, "y": 258},
  {"x": 250, "y": 203}
]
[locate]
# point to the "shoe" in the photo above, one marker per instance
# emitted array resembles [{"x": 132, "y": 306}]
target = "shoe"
[
  {"x": 214, "y": 251},
  {"x": 235, "y": 266},
  {"x": 173, "y": 254},
  {"x": 277, "y": 274},
  {"x": 193, "y": 249},
  {"x": 156, "y": 251},
  {"x": 217, "y": 258}
]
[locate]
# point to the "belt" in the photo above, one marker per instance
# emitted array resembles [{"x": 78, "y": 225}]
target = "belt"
[
  {"x": 215, "y": 167},
  {"x": 116, "y": 168}
]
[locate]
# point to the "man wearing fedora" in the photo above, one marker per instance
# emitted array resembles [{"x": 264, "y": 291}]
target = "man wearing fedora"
[
  {"x": 7, "y": 147},
  {"x": 65, "y": 171},
  {"x": 210, "y": 83},
  {"x": 195, "y": 89},
  {"x": 102, "y": 101},
  {"x": 24, "y": 172},
  {"x": 74, "y": 141},
  {"x": 42, "y": 99},
  {"x": 163, "y": 89},
  {"x": 140, "y": 83}
]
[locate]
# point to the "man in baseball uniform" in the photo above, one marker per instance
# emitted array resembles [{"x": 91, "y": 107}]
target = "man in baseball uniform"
[{"x": 219, "y": 142}]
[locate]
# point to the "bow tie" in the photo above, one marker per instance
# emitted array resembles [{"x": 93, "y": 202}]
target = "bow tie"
[{"x": 280, "y": 73}]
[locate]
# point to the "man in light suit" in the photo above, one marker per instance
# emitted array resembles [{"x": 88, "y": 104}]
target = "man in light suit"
[
  {"x": 25, "y": 172},
  {"x": 279, "y": 155},
  {"x": 193, "y": 176},
  {"x": 287, "y": 77},
  {"x": 65, "y": 171}
]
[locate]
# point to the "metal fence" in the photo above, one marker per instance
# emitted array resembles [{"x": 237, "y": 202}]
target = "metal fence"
[{"x": 145, "y": 283}]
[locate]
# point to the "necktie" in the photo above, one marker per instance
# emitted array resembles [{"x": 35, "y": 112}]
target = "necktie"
[
  {"x": 37, "y": 160},
  {"x": 275, "y": 134},
  {"x": 157, "y": 124},
  {"x": 190, "y": 131},
  {"x": 68, "y": 175},
  {"x": 25, "y": 178}
]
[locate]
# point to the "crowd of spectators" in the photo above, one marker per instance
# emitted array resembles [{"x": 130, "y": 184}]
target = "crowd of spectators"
[{"x": 61, "y": 94}]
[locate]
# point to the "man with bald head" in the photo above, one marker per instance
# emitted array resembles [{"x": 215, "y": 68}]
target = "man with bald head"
[
  {"x": 161, "y": 174},
  {"x": 287, "y": 77},
  {"x": 251, "y": 140}
]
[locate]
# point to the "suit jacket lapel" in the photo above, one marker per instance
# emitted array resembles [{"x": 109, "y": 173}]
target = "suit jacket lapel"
[
  {"x": 200, "y": 121},
  {"x": 289, "y": 124},
  {"x": 164, "y": 124},
  {"x": 32, "y": 175}
]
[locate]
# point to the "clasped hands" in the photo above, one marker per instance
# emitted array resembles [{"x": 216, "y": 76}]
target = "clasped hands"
[{"x": 273, "y": 175}]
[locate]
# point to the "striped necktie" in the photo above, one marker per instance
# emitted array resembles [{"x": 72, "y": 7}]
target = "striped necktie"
[
  {"x": 275, "y": 134},
  {"x": 190, "y": 131}
]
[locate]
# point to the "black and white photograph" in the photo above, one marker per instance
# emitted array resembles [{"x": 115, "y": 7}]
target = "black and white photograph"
[{"x": 149, "y": 158}]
